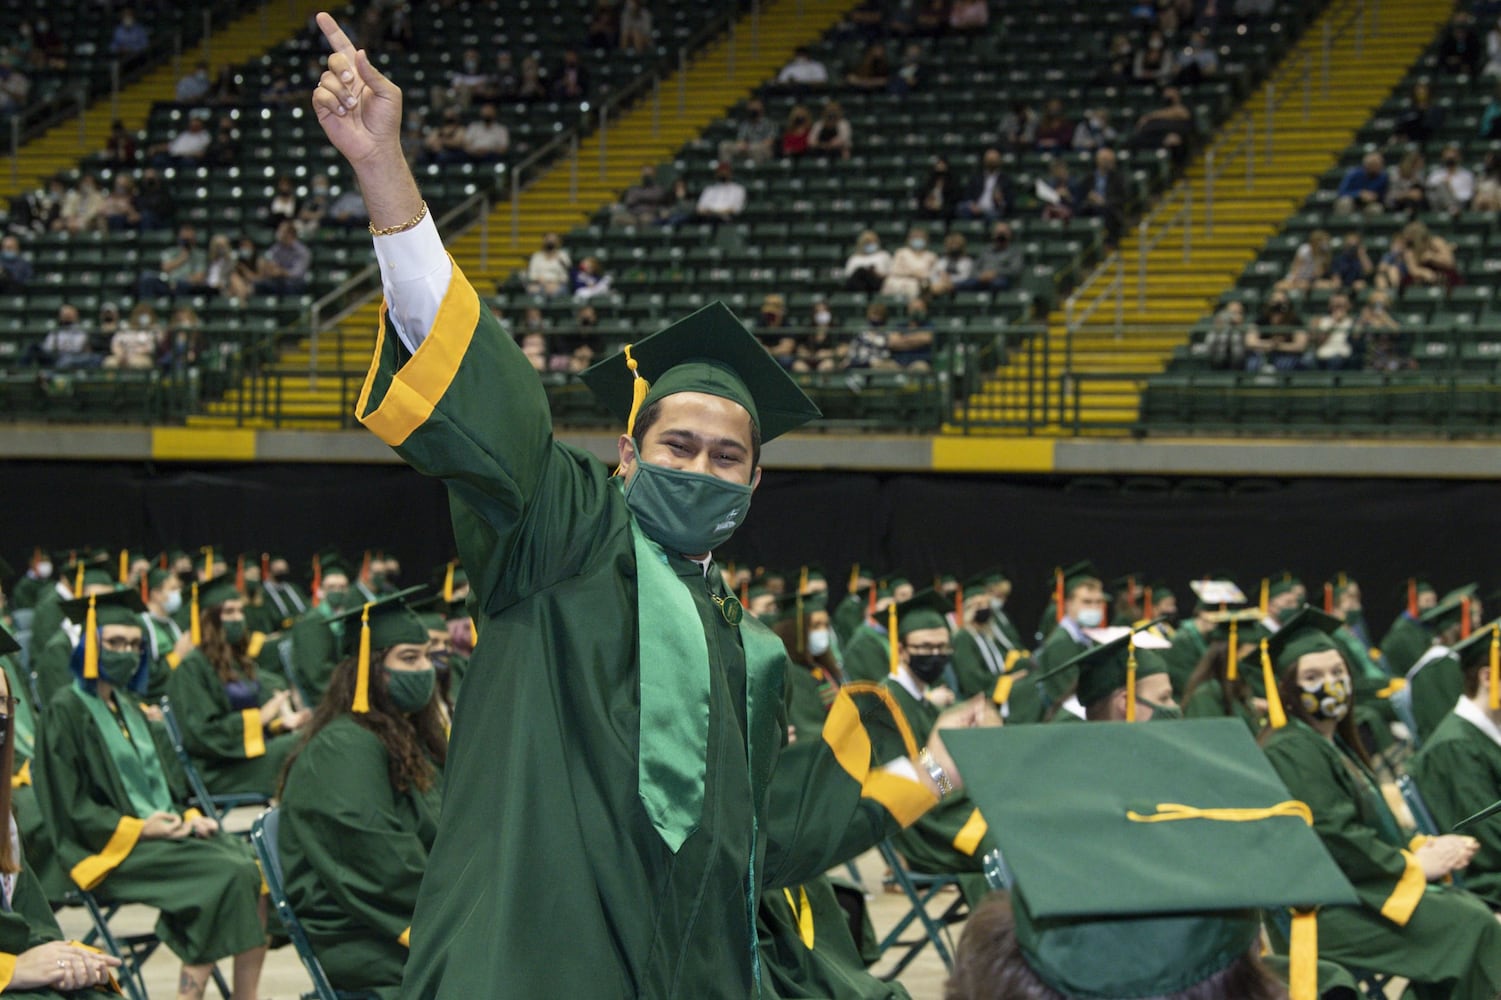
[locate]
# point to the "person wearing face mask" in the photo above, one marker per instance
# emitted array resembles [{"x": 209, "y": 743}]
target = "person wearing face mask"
[
  {"x": 1121, "y": 678},
  {"x": 1410, "y": 922},
  {"x": 118, "y": 817},
  {"x": 23, "y": 717},
  {"x": 238, "y": 722},
  {"x": 1456, "y": 769},
  {"x": 772, "y": 332},
  {"x": 1434, "y": 681},
  {"x": 440, "y": 653},
  {"x": 912, "y": 267},
  {"x": 1407, "y": 638},
  {"x": 813, "y": 674},
  {"x": 866, "y": 268},
  {"x": 360, "y": 800},
  {"x": 867, "y": 654},
  {"x": 549, "y": 269},
  {"x": 23, "y": 596},
  {"x": 50, "y": 661},
  {"x": 820, "y": 349},
  {"x": 650, "y": 703},
  {"x": 282, "y": 593},
  {"x": 1213, "y": 690},
  {"x": 168, "y": 642},
  {"x": 314, "y": 638},
  {"x": 988, "y": 648},
  {"x": 1082, "y": 607},
  {"x": 1214, "y": 595}
]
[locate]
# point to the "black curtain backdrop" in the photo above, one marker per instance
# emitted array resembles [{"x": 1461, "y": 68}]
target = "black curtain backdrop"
[{"x": 1378, "y": 530}]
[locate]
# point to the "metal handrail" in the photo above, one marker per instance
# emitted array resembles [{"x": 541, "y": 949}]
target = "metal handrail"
[{"x": 1146, "y": 242}]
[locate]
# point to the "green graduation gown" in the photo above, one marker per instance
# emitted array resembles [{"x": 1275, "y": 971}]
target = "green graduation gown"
[
  {"x": 848, "y": 615},
  {"x": 50, "y": 664},
  {"x": 233, "y": 749},
  {"x": 979, "y": 658},
  {"x": 46, "y": 619},
  {"x": 207, "y": 890},
  {"x": 547, "y": 877},
  {"x": 1207, "y": 701},
  {"x": 805, "y": 692},
  {"x": 26, "y": 923},
  {"x": 1058, "y": 648},
  {"x": 1406, "y": 641},
  {"x": 1428, "y": 933},
  {"x": 35, "y": 841},
  {"x": 867, "y": 656},
  {"x": 315, "y": 654},
  {"x": 831, "y": 968},
  {"x": 161, "y": 640},
  {"x": 353, "y": 850},
  {"x": 1182, "y": 657},
  {"x": 1435, "y": 683},
  {"x": 1458, "y": 772},
  {"x": 26, "y": 591}
]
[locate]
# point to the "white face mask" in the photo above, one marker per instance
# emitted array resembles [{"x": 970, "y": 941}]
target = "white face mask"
[
  {"x": 173, "y": 602},
  {"x": 1091, "y": 617},
  {"x": 818, "y": 641},
  {"x": 996, "y": 605},
  {"x": 43, "y": 569},
  {"x": 822, "y": 318}
]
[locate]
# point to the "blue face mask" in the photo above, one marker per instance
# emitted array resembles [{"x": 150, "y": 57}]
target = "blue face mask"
[
  {"x": 685, "y": 512},
  {"x": 1091, "y": 617},
  {"x": 173, "y": 602}
]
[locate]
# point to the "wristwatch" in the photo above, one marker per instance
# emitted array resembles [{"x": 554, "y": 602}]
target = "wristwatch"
[{"x": 938, "y": 774}]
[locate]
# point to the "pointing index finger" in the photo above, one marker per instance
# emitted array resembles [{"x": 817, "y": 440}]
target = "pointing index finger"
[{"x": 335, "y": 35}]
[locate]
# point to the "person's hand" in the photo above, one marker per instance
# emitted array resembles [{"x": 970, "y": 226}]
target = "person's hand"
[
  {"x": 61, "y": 966},
  {"x": 1442, "y": 855},
  {"x": 153, "y": 712},
  {"x": 274, "y": 705},
  {"x": 294, "y": 720},
  {"x": 202, "y": 827},
  {"x": 164, "y": 826},
  {"x": 940, "y": 696},
  {"x": 358, "y": 107},
  {"x": 183, "y": 646},
  {"x": 976, "y": 713}
]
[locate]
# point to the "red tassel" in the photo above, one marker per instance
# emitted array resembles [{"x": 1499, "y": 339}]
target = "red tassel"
[
  {"x": 1412, "y": 596},
  {"x": 317, "y": 576},
  {"x": 240, "y": 574},
  {"x": 1328, "y": 598},
  {"x": 1058, "y": 594},
  {"x": 265, "y": 568}
]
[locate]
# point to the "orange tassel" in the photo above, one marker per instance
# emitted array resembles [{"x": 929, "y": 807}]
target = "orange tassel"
[
  {"x": 317, "y": 577},
  {"x": 1146, "y": 604},
  {"x": 1328, "y": 598},
  {"x": 958, "y": 607},
  {"x": 1412, "y": 596},
  {"x": 265, "y": 568},
  {"x": 1058, "y": 594},
  {"x": 365, "y": 568},
  {"x": 1465, "y": 625},
  {"x": 240, "y": 574}
]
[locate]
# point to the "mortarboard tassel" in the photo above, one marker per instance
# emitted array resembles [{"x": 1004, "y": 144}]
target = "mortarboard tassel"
[
  {"x": 195, "y": 629},
  {"x": 208, "y": 562},
  {"x": 1146, "y": 604},
  {"x": 1328, "y": 598},
  {"x": 448, "y": 584},
  {"x": 78, "y": 581},
  {"x": 1464, "y": 618},
  {"x": 1232, "y": 668},
  {"x": 161, "y": 561},
  {"x": 91, "y": 643},
  {"x": 265, "y": 567},
  {"x": 1495, "y": 698},
  {"x": 362, "y": 670},
  {"x": 1266, "y": 586},
  {"x": 870, "y": 602},
  {"x": 804, "y": 914},
  {"x": 317, "y": 576},
  {"x": 1058, "y": 593},
  {"x": 639, "y": 388},
  {"x": 800, "y": 641},
  {"x": 745, "y": 593},
  {"x": 124, "y": 565},
  {"x": 958, "y": 607},
  {"x": 365, "y": 568},
  {"x": 145, "y": 587},
  {"x": 240, "y": 573},
  {"x": 36, "y": 557},
  {"x": 1412, "y": 597},
  {"x": 891, "y": 636},
  {"x": 1131, "y": 679},
  {"x": 802, "y": 581},
  {"x": 1303, "y": 956},
  {"x": 854, "y": 583},
  {"x": 1274, "y": 713}
]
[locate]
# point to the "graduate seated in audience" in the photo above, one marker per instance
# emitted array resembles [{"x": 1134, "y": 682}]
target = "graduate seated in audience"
[
  {"x": 238, "y": 722},
  {"x": 989, "y": 656},
  {"x": 360, "y": 801},
  {"x": 167, "y": 642},
  {"x": 813, "y": 673},
  {"x": 1410, "y": 923},
  {"x": 1408, "y": 638},
  {"x": 1215, "y": 691},
  {"x": 53, "y": 642},
  {"x": 1458, "y": 770},
  {"x": 21, "y": 727},
  {"x": 114, "y": 808},
  {"x": 1122, "y": 678},
  {"x": 35, "y": 962},
  {"x": 1434, "y": 682},
  {"x": 1080, "y": 593},
  {"x": 315, "y": 636}
]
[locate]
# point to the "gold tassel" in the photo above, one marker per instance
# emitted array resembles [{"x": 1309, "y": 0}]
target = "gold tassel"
[
  {"x": 802, "y": 581},
  {"x": 1303, "y": 957},
  {"x": 891, "y": 637},
  {"x": 91, "y": 643},
  {"x": 124, "y": 565},
  {"x": 195, "y": 629},
  {"x": 639, "y": 388},
  {"x": 1266, "y": 587},
  {"x": 854, "y": 583},
  {"x": 362, "y": 670},
  {"x": 1274, "y": 712},
  {"x": 1232, "y": 669},
  {"x": 78, "y": 582},
  {"x": 448, "y": 584},
  {"x": 1495, "y": 697},
  {"x": 208, "y": 562},
  {"x": 1131, "y": 679}
]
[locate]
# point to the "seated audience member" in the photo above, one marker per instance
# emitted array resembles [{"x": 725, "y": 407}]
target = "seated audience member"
[
  {"x": 986, "y": 197},
  {"x": 635, "y": 28},
  {"x": 873, "y": 71},
  {"x": 1093, "y": 131},
  {"x": 284, "y": 202},
  {"x": 1418, "y": 122},
  {"x": 646, "y": 202},
  {"x": 67, "y": 346},
  {"x": 912, "y": 266},
  {"x": 571, "y": 80},
  {"x": 938, "y": 196},
  {"x": 15, "y": 270},
  {"x": 1280, "y": 341},
  {"x": 969, "y": 17},
  {"x": 348, "y": 209},
  {"x": 1461, "y": 51},
  {"x": 135, "y": 344},
  {"x": 486, "y": 139},
  {"x": 445, "y": 144},
  {"x": 831, "y": 136},
  {"x": 285, "y": 265},
  {"x": 1057, "y": 191},
  {"x": 755, "y": 136},
  {"x": 1018, "y": 126},
  {"x": 589, "y": 279},
  {"x": 119, "y": 210},
  {"x": 1154, "y": 62},
  {"x": 1336, "y": 338},
  {"x": 1364, "y": 187},
  {"x": 1430, "y": 257},
  {"x": 822, "y": 350},
  {"x": 115, "y": 812},
  {"x": 772, "y": 330},
  {"x": 183, "y": 268},
  {"x": 1226, "y": 343},
  {"x": 865, "y": 269},
  {"x": 722, "y": 200},
  {"x": 1055, "y": 132},
  {"x": 1167, "y": 127},
  {"x": 1451, "y": 184},
  {"x": 1103, "y": 194},
  {"x": 794, "y": 139},
  {"x": 548, "y": 270},
  {"x": 1352, "y": 266},
  {"x": 1488, "y": 185},
  {"x": 1311, "y": 264},
  {"x": 999, "y": 265},
  {"x": 955, "y": 268},
  {"x": 1199, "y": 61},
  {"x": 803, "y": 70},
  {"x": 1391, "y": 269}
]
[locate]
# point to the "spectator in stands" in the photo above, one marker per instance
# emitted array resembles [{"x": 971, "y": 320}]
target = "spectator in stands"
[
  {"x": 999, "y": 265},
  {"x": 280, "y": 91},
  {"x": 130, "y": 38},
  {"x": 1199, "y": 61},
  {"x": 604, "y": 27},
  {"x": 285, "y": 264},
  {"x": 414, "y": 136},
  {"x": 722, "y": 200},
  {"x": 284, "y": 204},
  {"x": 467, "y": 77},
  {"x": 532, "y": 86},
  {"x": 986, "y": 197},
  {"x": 577, "y": 351},
  {"x": 547, "y": 272},
  {"x": 1167, "y": 127},
  {"x": 821, "y": 350},
  {"x": 49, "y": 44},
  {"x": 1337, "y": 343},
  {"x": 227, "y": 89},
  {"x": 1430, "y": 257},
  {"x": 1386, "y": 348},
  {"x": 938, "y": 197},
  {"x": 1488, "y": 187},
  {"x": 683, "y": 205},
  {"x": 1226, "y": 342},
  {"x": 1391, "y": 269},
  {"x": 1492, "y": 52},
  {"x": 109, "y": 322},
  {"x": 1461, "y": 51},
  {"x": 348, "y": 209},
  {"x": 446, "y": 143},
  {"x": 873, "y": 71},
  {"x": 907, "y": 76},
  {"x": 183, "y": 269},
  {"x": 870, "y": 348},
  {"x": 911, "y": 267},
  {"x": 504, "y": 80},
  {"x": 969, "y": 17},
  {"x": 531, "y": 335},
  {"x": 401, "y": 30},
  {"x": 15, "y": 86},
  {"x": 15, "y": 269},
  {"x": 314, "y": 207},
  {"x": 221, "y": 273},
  {"x": 120, "y": 147},
  {"x": 755, "y": 136},
  {"x": 794, "y": 141},
  {"x": 1093, "y": 131},
  {"x": 1352, "y": 266},
  {"x": 571, "y": 81},
  {"x": 865, "y": 270},
  {"x": 1311, "y": 265},
  {"x": 1018, "y": 126},
  {"x": 1115, "y": 70},
  {"x": 955, "y": 267},
  {"x": 154, "y": 202},
  {"x": 1405, "y": 185},
  {"x": 1055, "y": 132},
  {"x": 135, "y": 344},
  {"x": 224, "y": 150},
  {"x": 646, "y": 202},
  {"x": 83, "y": 205},
  {"x": 771, "y": 330},
  {"x": 1056, "y": 191},
  {"x": 1103, "y": 194},
  {"x": 119, "y": 209},
  {"x": 182, "y": 345},
  {"x": 247, "y": 262},
  {"x": 486, "y": 140},
  {"x": 832, "y": 135},
  {"x": 1451, "y": 185},
  {"x": 194, "y": 88},
  {"x": 67, "y": 346},
  {"x": 636, "y": 35},
  {"x": 1420, "y": 119},
  {"x": 1280, "y": 341},
  {"x": 912, "y": 347},
  {"x": 188, "y": 147},
  {"x": 1154, "y": 63},
  {"x": 1363, "y": 187},
  {"x": 590, "y": 279},
  {"x": 803, "y": 70}
]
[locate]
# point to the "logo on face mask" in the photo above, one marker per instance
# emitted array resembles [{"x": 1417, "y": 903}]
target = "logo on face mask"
[
  {"x": 685, "y": 512},
  {"x": 1326, "y": 699}
]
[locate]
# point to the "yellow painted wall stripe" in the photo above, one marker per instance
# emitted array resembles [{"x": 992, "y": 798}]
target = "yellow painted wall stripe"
[
  {"x": 203, "y": 443},
  {"x": 957, "y": 454}
]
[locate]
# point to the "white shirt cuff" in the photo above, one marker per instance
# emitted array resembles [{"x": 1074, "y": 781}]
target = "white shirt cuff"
[
  {"x": 902, "y": 768},
  {"x": 414, "y": 273}
]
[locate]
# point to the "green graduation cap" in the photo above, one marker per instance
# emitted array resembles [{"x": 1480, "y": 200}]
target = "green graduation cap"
[
  {"x": 1234, "y": 627},
  {"x": 212, "y": 593},
  {"x": 1119, "y": 658},
  {"x": 788, "y": 604},
  {"x": 711, "y": 352},
  {"x": 1139, "y": 857},
  {"x": 1307, "y": 631},
  {"x": 8, "y": 643},
  {"x": 7, "y": 572},
  {"x": 1476, "y": 648},
  {"x": 384, "y": 623},
  {"x": 985, "y": 579},
  {"x": 1451, "y": 608},
  {"x": 1072, "y": 576},
  {"x": 118, "y": 607}
]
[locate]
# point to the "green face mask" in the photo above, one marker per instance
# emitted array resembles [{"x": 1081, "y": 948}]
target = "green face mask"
[
  {"x": 119, "y": 669},
  {"x": 234, "y": 632},
  {"x": 687, "y": 513},
  {"x": 410, "y": 690},
  {"x": 1161, "y": 713},
  {"x": 337, "y": 600}
]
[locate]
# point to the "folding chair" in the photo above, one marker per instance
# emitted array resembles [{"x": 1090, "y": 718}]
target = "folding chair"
[
  {"x": 213, "y": 806},
  {"x": 132, "y": 950},
  {"x": 920, "y": 889},
  {"x": 263, "y": 837}
]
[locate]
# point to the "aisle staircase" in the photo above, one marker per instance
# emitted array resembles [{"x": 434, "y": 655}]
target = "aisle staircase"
[
  {"x": 62, "y": 146},
  {"x": 1312, "y": 125},
  {"x": 717, "y": 77}
]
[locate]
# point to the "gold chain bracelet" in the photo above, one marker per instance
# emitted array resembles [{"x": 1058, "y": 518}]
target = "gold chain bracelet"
[{"x": 409, "y": 224}]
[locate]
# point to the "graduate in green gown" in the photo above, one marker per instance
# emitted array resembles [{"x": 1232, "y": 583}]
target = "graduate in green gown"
[
  {"x": 50, "y": 661},
  {"x": 1081, "y": 596},
  {"x": 24, "y": 593},
  {"x": 853, "y": 608},
  {"x": 238, "y": 723},
  {"x": 986, "y": 645},
  {"x": 868, "y": 650},
  {"x": 1433, "y": 681},
  {"x": 23, "y": 802},
  {"x": 1191, "y": 640},
  {"x": 1408, "y": 638},
  {"x": 284, "y": 598},
  {"x": 619, "y": 740},
  {"x": 1444, "y": 940},
  {"x": 813, "y": 674},
  {"x": 315, "y": 637},
  {"x": 360, "y": 803},
  {"x": 1214, "y": 690},
  {"x": 168, "y": 642},
  {"x": 1121, "y": 678},
  {"x": 116, "y": 815},
  {"x": 1458, "y": 769}
]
